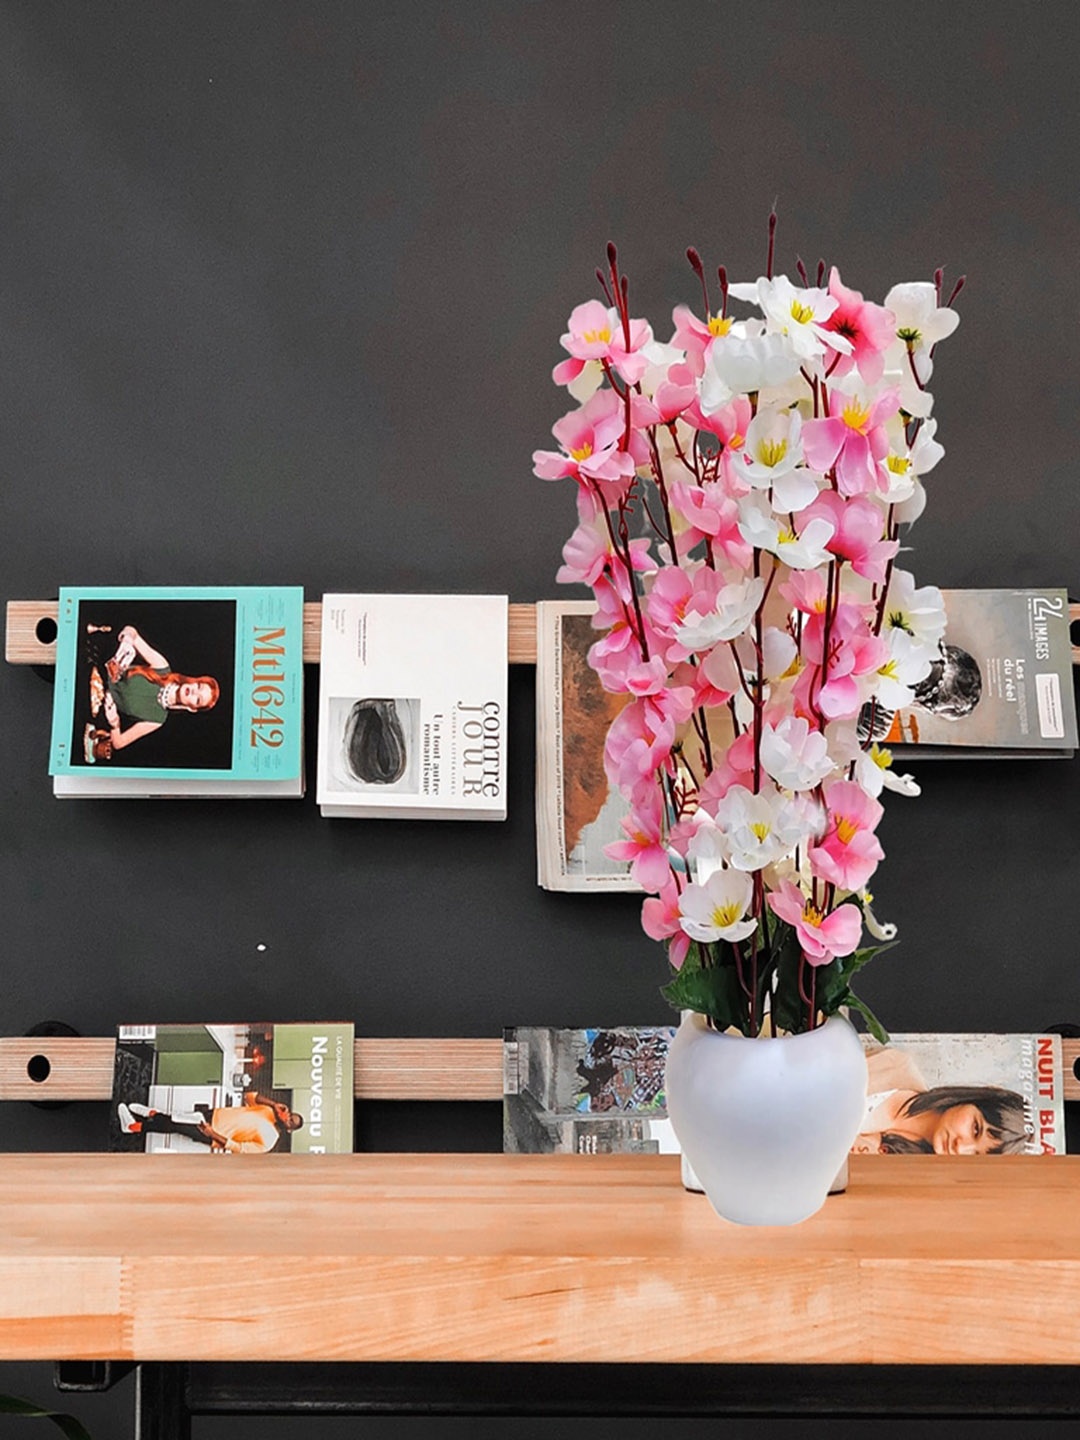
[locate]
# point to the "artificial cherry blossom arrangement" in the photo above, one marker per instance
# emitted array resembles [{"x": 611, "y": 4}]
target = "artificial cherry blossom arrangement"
[{"x": 741, "y": 492}]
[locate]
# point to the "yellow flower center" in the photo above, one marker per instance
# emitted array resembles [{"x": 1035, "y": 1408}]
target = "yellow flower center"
[
  {"x": 725, "y": 915},
  {"x": 736, "y": 442},
  {"x": 801, "y": 313},
  {"x": 888, "y": 670},
  {"x": 812, "y": 915},
  {"x": 597, "y": 337},
  {"x": 771, "y": 452},
  {"x": 881, "y": 757},
  {"x": 582, "y": 453},
  {"x": 846, "y": 829},
  {"x": 856, "y": 416},
  {"x": 760, "y": 830},
  {"x": 898, "y": 464},
  {"x": 786, "y": 537},
  {"x": 719, "y": 325}
]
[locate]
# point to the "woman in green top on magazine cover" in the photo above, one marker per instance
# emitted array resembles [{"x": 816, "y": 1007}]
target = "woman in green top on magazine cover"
[{"x": 142, "y": 693}]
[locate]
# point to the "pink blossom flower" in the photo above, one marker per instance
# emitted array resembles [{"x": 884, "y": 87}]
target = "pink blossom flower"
[
  {"x": 696, "y": 336},
  {"x": 853, "y": 439},
  {"x": 831, "y": 684},
  {"x": 729, "y": 424},
  {"x": 821, "y": 936},
  {"x": 644, "y": 844},
  {"x": 870, "y": 328},
  {"x": 734, "y": 767},
  {"x": 858, "y": 526},
  {"x": 640, "y": 740},
  {"x": 710, "y": 511},
  {"x": 590, "y": 438},
  {"x": 660, "y": 919},
  {"x": 674, "y": 394},
  {"x": 596, "y": 333},
  {"x": 588, "y": 555},
  {"x": 849, "y": 853}
]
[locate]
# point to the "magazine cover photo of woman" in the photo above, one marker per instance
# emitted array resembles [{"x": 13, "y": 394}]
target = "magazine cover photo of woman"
[
  {"x": 906, "y": 1116},
  {"x": 154, "y": 684}
]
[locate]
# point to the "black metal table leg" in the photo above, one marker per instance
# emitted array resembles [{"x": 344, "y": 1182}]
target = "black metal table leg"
[{"x": 161, "y": 1407}]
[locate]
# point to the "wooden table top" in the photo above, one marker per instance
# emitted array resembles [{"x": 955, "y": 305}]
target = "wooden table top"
[{"x": 925, "y": 1259}]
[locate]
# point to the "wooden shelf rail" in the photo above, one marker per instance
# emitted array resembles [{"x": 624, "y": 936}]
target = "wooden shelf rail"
[
  {"x": 31, "y": 633},
  {"x": 29, "y": 620},
  {"x": 81, "y": 1068}
]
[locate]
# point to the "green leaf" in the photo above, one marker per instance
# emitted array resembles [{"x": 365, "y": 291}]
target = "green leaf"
[
  {"x": 66, "y": 1424},
  {"x": 830, "y": 987},
  {"x": 873, "y": 1024},
  {"x": 714, "y": 991},
  {"x": 788, "y": 1008},
  {"x": 852, "y": 964}
]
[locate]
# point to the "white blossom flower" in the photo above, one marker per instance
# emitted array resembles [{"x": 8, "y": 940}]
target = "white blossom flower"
[
  {"x": 904, "y": 467},
  {"x": 736, "y": 605},
  {"x": 796, "y": 313},
  {"x": 744, "y": 365},
  {"x": 715, "y": 910},
  {"x": 758, "y": 829},
  {"x": 879, "y": 929},
  {"x": 804, "y": 550},
  {"x": 706, "y": 849},
  {"x": 921, "y": 612},
  {"x": 908, "y": 663},
  {"x": 772, "y": 459},
  {"x": 795, "y": 756},
  {"x": 779, "y": 653},
  {"x": 874, "y": 772},
  {"x": 920, "y": 323}
]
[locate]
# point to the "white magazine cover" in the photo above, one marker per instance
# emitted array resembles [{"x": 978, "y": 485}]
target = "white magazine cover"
[{"x": 412, "y": 706}]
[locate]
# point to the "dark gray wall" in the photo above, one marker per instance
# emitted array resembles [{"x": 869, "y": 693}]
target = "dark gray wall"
[{"x": 281, "y": 287}]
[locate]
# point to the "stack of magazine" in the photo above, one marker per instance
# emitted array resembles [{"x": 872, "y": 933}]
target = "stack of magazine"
[
  {"x": 1002, "y": 687},
  {"x": 412, "y": 707},
  {"x": 251, "y": 1088},
  {"x": 601, "y": 1090},
  {"x": 179, "y": 692}
]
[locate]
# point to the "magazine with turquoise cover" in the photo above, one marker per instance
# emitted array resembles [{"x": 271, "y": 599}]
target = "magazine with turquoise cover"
[{"x": 180, "y": 685}]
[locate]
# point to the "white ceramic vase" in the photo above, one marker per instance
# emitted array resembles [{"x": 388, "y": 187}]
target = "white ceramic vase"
[{"x": 766, "y": 1124}]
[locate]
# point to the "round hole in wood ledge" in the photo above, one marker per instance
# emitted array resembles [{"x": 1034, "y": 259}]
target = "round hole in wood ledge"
[
  {"x": 45, "y": 630},
  {"x": 39, "y": 1068}
]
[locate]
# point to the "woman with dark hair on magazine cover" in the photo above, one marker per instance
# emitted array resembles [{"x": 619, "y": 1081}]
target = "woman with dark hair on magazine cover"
[
  {"x": 133, "y": 682},
  {"x": 905, "y": 1116}
]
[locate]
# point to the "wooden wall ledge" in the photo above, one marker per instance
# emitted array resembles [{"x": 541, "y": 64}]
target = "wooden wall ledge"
[
  {"x": 81, "y": 1068},
  {"x": 29, "y": 620},
  {"x": 24, "y": 645}
]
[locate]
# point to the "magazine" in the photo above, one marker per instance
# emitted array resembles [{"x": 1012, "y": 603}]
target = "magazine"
[
  {"x": 1004, "y": 687},
  {"x": 599, "y": 1090},
  {"x": 251, "y": 1089},
  {"x": 577, "y": 811},
  {"x": 178, "y": 692},
  {"x": 412, "y": 707},
  {"x": 1003, "y": 684},
  {"x": 593, "y": 1091},
  {"x": 941, "y": 1093}
]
